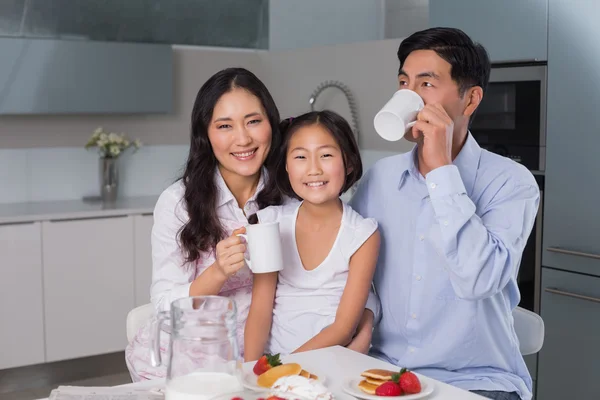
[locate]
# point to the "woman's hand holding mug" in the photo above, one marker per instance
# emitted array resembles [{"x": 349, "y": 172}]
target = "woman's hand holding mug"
[{"x": 230, "y": 253}]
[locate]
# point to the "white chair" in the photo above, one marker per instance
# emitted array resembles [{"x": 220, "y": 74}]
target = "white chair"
[
  {"x": 530, "y": 330},
  {"x": 138, "y": 317}
]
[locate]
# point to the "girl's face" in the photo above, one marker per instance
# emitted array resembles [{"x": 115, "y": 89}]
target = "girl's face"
[
  {"x": 239, "y": 133},
  {"x": 315, "y": 164}
]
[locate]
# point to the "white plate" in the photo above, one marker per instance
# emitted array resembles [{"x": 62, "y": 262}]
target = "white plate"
[
  {"x": 250, "y": 380},
  {"x": 350, "y": 386}
]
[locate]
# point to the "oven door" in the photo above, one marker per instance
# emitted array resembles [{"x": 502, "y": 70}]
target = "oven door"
[{"x": 511, "y": 119}]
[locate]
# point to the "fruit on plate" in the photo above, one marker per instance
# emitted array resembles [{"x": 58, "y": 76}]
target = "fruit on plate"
[
  {"x": 409, "y": 383},
  {"x": 265, "y": 363},
  {"x": 383, "y": 382},
  {"x": 390, "y": 388},
  {"x": 268, "y": 378}
]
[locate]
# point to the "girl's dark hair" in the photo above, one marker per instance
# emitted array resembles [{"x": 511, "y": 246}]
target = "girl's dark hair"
[
  {"x": 203, "y": 230},
  {"x": 342, "y": 133}
]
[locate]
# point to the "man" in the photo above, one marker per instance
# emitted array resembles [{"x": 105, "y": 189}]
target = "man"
[{"x": 454, "y": 220}]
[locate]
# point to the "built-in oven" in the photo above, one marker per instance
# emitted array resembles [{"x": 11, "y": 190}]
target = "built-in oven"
[{"x": 511, "y": 121}]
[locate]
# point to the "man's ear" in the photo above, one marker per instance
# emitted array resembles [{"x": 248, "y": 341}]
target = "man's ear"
[{"x": 473, "y": 96}]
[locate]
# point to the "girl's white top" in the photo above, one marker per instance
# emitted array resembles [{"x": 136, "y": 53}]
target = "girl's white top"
[{"x": 307, "y": 301}]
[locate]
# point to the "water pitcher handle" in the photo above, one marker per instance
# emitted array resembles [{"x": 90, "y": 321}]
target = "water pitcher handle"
[{"x": 155, "y": 358}]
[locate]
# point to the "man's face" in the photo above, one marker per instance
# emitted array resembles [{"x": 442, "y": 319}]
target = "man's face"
[{"x": 429, "y": 75}]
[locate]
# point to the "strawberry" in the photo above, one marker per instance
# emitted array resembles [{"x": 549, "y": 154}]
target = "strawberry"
[
  {"x": 409, "y": 382},
  {"x": 390, "y": 388},
  {"x": 275, "y": 398},
  {"x": 265, "y": 363}
]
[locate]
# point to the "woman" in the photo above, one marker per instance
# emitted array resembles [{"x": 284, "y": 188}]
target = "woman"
[{"x": 194, "y": 252}]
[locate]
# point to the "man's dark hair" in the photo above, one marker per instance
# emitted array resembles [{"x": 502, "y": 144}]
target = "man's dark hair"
[{"x": 469, "y": 61}]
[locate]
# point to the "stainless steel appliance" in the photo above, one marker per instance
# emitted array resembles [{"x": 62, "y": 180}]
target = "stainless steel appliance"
[{"x": 511, "y": 121}]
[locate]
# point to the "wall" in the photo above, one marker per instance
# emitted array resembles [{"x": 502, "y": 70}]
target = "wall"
[
  {"x": 404, "y": 17},
  {"x": 310, "y": 23},
  {"x": 42, "y": 157},
  {"x": 369, "y": 69}
]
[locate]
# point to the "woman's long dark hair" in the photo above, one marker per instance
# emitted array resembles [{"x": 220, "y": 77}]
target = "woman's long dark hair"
[{"x": 203, "y": 230}]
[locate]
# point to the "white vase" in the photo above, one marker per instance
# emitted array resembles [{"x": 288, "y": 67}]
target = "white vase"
[{"x": 109, "y": 179}]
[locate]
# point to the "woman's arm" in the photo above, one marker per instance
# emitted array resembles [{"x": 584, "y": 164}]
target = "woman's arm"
[
  {"x": 354, "y": 298},
  {"x": 229, "y": 260},
  {"x": 260, "y": 316},
  {"x": 172, "y": 276}
]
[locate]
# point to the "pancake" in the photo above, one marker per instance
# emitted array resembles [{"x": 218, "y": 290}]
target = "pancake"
[
  {"x": 379, "y": 374},
  {"x": 375, "y": 381},
  {"x": 367, "y": 387},
  {"x": 267, "y": 379}
]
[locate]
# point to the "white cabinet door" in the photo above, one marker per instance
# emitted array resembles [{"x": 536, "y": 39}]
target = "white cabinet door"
[
  {"x": 21, "y": 307},
  {"x": 510, "y": 30},
  {"x": 88, "y": 285},
  {"x": 143, "y": 258}
]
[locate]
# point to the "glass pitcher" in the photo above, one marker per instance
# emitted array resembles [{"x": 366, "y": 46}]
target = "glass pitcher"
[{"x": 204, "y": 360}]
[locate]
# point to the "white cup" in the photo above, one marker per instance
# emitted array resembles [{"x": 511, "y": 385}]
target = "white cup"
[
  {"x": 264, "y": 246},
  {"x": 398, "y": 115}
]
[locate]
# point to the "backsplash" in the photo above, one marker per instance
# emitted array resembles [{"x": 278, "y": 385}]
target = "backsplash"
[{"x": 70, "y": 173}]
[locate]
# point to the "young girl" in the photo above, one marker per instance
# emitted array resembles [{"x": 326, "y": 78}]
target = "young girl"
[{"x": 330, "y": 251}]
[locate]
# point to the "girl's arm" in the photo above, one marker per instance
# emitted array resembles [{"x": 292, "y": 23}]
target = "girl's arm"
[
  {"x": 354, "y": 298},
  {"x": 260, "y": 316},
  {"x": 361, "y": 342}
]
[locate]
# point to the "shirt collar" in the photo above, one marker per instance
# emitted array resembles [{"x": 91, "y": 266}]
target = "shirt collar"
[
  {"x": 467, "y": 163},
  {"x": 224, "y": 194}
]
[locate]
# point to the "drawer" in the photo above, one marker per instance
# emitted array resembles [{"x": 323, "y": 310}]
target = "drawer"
[{"x": 570, "y": 307}]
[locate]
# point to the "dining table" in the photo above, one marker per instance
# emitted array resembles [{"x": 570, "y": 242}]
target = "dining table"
[{"x": 338, "y": 366}]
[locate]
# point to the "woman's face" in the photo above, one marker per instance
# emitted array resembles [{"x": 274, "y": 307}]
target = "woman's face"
[
  {"x": 315, "y": 165},
  {"x": 240, "y": 133}
]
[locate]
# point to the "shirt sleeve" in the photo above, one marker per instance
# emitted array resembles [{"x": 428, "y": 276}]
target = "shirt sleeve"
[
  {"x": 483, "y": 252},
  {"x": 171, "y": 275},
  {"x": 359, "y": 202}
]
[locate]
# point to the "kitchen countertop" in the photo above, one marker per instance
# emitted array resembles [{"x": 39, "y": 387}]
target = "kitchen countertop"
[{"x": 12, "y": 213}]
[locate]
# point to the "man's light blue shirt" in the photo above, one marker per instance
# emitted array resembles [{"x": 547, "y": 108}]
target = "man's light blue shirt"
[{"x": 448, "y": 263}]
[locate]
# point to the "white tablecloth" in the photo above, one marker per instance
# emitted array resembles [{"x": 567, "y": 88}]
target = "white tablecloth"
[{"x": 339, "y": 364}]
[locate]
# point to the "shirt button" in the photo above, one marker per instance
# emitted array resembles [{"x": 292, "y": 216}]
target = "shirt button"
[
  {"x": 432, "y": 185},
  {"x": 414, "y": 316},
  {"x": 411, "y": 349},
  {"x": 418, "y": 277},
  {"x": 421, "y": 237},
  {"x": 445, "y": 223}
]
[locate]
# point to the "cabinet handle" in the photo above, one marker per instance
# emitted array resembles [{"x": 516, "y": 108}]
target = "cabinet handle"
[
  {"x": 574, "y": 295},
  {"x": 573, "y": 252}
]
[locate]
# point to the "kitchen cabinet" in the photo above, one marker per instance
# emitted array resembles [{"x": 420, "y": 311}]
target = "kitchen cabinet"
[
  {"x": 510, "y": 30},
  {"x": 143, "y": 257},
  {"x": 21, "y": 306},
  {"x": 571, "y": 214},
  {"x": 88, "y": 285},
  {"x": 568, "y": 362}
]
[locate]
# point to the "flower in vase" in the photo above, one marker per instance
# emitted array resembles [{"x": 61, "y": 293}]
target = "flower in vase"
[{"x": 111, "y": 145}]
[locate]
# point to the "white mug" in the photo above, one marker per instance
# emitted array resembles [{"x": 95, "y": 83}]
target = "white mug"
[
  {"x": 398, "y": 115},
  {"x": 264, "y": 246}
]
